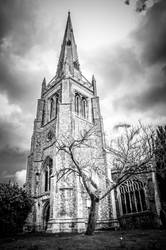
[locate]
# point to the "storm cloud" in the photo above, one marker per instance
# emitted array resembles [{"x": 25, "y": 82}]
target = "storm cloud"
[
  {"x": 148, "y": 99},
  {"x": 14, "y": 158},
  {"x": 151, "y": 34},
  {"x": 18, "y": 27},
  {"x": 127, "y": 56},
  {"x": 21, "y": 74}
]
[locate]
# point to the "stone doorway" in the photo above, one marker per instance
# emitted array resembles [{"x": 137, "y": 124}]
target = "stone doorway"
[{"x": 46, "y": 215}]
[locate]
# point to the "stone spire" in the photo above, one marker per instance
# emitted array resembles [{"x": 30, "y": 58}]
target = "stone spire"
[{"x": 68, "y": 60}]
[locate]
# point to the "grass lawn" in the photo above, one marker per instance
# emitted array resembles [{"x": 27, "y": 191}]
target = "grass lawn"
[{"x": 105, "y": 240}]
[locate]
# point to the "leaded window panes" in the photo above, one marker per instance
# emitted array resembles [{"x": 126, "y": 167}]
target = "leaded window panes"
[{"x": 132, "y": 196}]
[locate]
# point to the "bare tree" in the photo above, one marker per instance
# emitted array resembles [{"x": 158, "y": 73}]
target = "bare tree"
[
  {"x": 75, "y": 148},
  {"x": 131, "y": 153}
]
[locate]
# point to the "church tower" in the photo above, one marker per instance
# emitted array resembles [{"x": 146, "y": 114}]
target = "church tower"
[{"x": 68, "y": 106}]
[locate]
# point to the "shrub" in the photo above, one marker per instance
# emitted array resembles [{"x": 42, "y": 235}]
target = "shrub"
[{"x": 15, "y": 205}]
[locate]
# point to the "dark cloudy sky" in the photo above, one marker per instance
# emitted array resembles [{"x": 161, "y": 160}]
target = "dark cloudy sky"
[{"x": 125, "y": 50}]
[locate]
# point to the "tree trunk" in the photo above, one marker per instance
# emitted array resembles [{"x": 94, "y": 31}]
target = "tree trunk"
[{"x": 92, "y": 217}]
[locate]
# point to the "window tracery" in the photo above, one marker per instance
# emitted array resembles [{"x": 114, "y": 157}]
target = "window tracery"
[
  {"x": 132, "y": 196},
  {"x": 47, "y": 172},
  {"x": 77, "y": 104},
  {"x": 54, "y": 106},
  {"x": 51, "y": 108},
  {"x": 81, "y": 105}
]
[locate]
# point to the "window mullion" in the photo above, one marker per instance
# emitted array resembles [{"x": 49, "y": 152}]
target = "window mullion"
[
  {"x": 140, "y": 200},
  {"x": 125, "y": 201},
  {"x": 135, "y": 200},
  {"x": 130, "y": 203}
]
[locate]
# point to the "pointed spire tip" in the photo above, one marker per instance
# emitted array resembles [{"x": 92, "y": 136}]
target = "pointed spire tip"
[
  {"x": 68, "y": 55},
  {"x": 94, "y": 85},
  {"x": 43, "y": 86},
  {"x": 44, "y": 80},
  {"x": 93, "y": 78}
]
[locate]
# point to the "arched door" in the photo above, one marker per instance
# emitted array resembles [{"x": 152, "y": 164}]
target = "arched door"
[{"x": 46, "y": 215}]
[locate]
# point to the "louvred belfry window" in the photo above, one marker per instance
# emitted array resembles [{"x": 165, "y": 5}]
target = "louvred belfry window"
[
  {"x": 51, "y": 108},
  {"x": 77, "y": 104},
  {"x": 54, "y": 101},
  {"x": 83, "y": 107},
  {"x": 80, "y": 103},
  {"x": 56, "y": 104}
]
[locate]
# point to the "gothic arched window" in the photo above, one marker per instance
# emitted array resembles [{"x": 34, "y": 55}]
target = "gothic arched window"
[
  {"x": 47, "y": 172},
  {"x": 77, "y": 104},
  {"x": 83, "y": 107},
  {"x": 132, "y": 196},
  {"x": 51, "y": 108},
  {"x": 56, "y": 104},
  {"x": 46, "y": 179}
]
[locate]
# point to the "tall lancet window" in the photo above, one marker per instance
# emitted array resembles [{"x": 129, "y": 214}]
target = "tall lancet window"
[
  {"x": 83, "y": 107},
  {"x": 54, "y": 101},
  {"x": 56, "y": 104},
  {"x": 43, "y": 113},
  {"x": 132, "y": 197},
  {"x": 77, "y": 102},
  {"x": 52, "y": 108},
  {"x": 46, "y": 175},
  {"x": 47, "y": 171}
]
